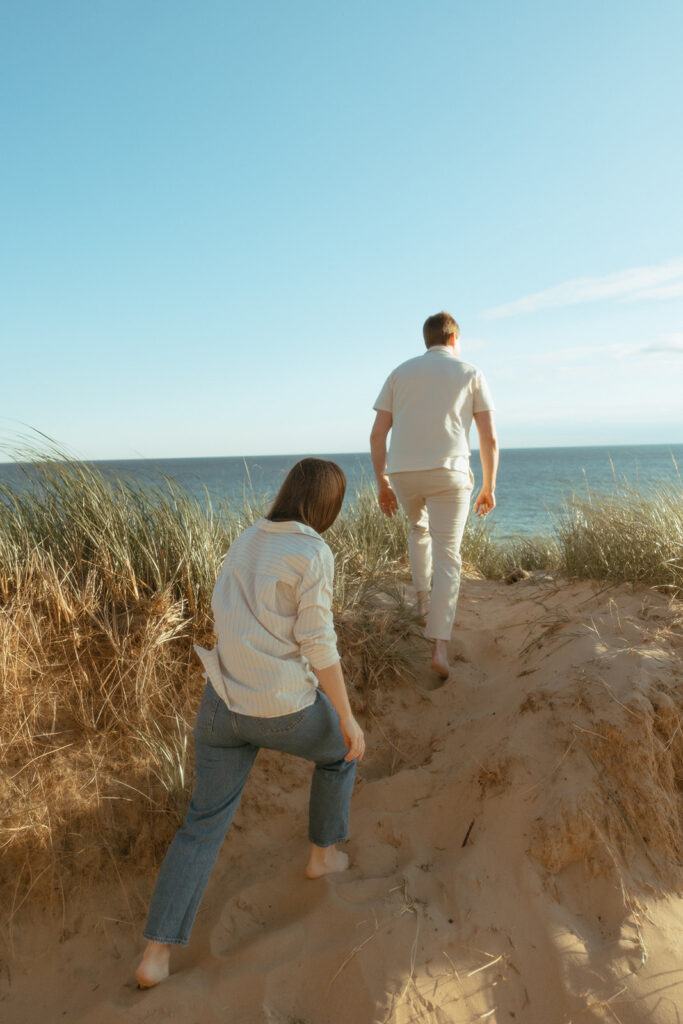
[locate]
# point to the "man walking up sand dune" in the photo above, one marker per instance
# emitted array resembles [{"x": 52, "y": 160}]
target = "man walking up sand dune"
[{"x": 428, "y": 404}]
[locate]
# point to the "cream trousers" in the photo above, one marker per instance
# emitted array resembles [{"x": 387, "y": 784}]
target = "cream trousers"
[{"x": 437, "y": 502}]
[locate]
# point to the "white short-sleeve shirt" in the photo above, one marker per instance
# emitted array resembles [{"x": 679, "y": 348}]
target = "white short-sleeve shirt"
[
  {"x": 272, "y": 608},
  {"x": 432, "y": 399}
]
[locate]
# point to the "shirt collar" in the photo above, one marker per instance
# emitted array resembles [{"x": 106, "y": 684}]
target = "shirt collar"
[
  {"x": 288, "y": 526},
  {"x": 445, "y": 349}
]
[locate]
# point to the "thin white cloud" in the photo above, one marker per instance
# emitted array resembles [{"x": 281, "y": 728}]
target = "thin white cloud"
[
  {"x": 669, "y": 345},
  {"x": 664, "y": 345},
  {"x": 663, "y": 281},
  {"x": 667, "y": 291}
]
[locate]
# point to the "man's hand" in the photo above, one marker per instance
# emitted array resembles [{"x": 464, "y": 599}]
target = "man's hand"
[
  {"x": 378, "y": 451},
  {"x": 485, "y": 502},
  {"x": 387, "y": 498},
  {"x": 488, "y": 450},
  {"x": 354, "y": 740}
]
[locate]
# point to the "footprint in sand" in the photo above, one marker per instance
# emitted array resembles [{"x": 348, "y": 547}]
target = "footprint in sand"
[
  {"x": 248, "y": 915},
  {"x": 366, "y": 892},
  {"x": 429, "y": 681},
  {"x": 262, "y": 911}
]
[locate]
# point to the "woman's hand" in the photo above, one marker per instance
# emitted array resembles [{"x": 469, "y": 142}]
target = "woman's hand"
[
  {"x": 354, "y": 739},
  {"x": 332, "y": 684}
]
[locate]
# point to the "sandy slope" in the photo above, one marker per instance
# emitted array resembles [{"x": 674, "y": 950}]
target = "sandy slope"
[{"x": 516, "y": 851}]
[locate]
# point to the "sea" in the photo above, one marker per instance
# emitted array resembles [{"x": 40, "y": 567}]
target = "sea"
[{"x": 533, "y": 483}]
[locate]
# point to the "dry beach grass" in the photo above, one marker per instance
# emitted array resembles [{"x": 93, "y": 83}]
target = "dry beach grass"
[
  {"x": 104, "y": 589},
  {"x": 565, "y": 726}
]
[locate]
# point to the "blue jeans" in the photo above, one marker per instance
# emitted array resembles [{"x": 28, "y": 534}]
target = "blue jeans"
[{"x": 226, "y": 745}]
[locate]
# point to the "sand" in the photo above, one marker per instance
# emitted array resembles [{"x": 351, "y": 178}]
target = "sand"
[{"x": 516, "y": 850}]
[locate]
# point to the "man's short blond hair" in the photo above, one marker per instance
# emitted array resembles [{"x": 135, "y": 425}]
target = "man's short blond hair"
[{"x": 438, "y": 329}]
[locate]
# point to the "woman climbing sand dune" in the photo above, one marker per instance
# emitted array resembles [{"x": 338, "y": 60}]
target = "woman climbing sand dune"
[{"x": 273, "y": 680}]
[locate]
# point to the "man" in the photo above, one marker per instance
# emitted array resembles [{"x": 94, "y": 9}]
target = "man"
[{"x": 428, "y": 404}]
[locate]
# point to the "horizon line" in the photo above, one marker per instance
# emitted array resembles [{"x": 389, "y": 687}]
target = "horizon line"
[{"x": 326, "y": 454}]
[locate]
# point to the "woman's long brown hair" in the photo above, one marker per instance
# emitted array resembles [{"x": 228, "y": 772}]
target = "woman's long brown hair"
[{"x": 312, "y": 493}]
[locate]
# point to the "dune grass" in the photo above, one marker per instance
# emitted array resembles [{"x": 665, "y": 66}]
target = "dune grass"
[
  {"x": 105, "y": 585},
  {"x": 627, "y": 535}
]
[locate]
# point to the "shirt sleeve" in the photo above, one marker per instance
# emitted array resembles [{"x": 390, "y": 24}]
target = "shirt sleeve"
[
  {"x": 314, "y": 625},
  {"x": 483, "y": 401},
  {"x": 383, "y": 402}
]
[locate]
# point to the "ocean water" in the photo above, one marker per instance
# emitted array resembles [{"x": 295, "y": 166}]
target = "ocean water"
[{"x": 532, "y": 482}]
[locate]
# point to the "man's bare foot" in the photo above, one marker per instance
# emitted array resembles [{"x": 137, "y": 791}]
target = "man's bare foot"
[
  {"x": 440, "y": 658},
  {"x": 325, "y": 860},
  {"x": 422, "y": 606},
  {"x": 154, "y": 965}
]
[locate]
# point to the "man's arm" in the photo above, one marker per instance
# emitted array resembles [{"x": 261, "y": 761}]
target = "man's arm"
[
  {"x": 378, "y": 451},
  {"x": 488, "y": 450}
]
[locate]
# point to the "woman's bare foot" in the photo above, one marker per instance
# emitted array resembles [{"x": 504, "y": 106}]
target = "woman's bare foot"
[
  {"x": 440, "y": 658},
  {"x": 324, "y": 860},
  {"x": 422, "y": 606},
  {"x": 154, "y": 965}
]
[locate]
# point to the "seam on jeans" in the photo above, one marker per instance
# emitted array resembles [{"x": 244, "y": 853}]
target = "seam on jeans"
[
  {"x": 206, "y": 730},
  {"x": 167, "y": 942},
  {"x": 235, "y": 725},
  {"x": 280, "y": 732},
  {"x": 214, "y": 713}
]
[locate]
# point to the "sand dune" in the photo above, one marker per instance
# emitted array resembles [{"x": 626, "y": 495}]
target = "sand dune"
[{"x": 516, "y": 850}]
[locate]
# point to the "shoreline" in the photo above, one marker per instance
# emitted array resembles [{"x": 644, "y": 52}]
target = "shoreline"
[
  {"x": 294, "y": 456},
  {"x": 532, "y": 492}
]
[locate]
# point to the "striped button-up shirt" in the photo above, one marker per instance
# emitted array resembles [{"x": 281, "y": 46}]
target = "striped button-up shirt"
[{"x": 272, "y": 607}]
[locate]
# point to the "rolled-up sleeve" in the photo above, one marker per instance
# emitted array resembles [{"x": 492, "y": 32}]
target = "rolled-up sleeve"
[
  {"x": 314, "y": 625},
  {"x": 483, "y": 400},
  {"x": 384, "y": 401}
]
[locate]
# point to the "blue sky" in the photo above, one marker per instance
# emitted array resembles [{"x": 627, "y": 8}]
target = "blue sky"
[{"x": 223, "y": 223}]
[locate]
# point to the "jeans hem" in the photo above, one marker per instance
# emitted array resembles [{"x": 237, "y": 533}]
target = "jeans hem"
[
  {"x": 166, "y": 942},
  {"x": 331, "y": 842}
]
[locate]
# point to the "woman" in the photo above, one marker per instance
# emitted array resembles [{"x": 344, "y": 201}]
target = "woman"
[{"x": 273, "y": 680}]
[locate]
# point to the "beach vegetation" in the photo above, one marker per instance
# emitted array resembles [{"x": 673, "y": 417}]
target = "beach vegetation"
[
  {"x": 625, "y": 536},
  {"x": 105, "y": 586}
]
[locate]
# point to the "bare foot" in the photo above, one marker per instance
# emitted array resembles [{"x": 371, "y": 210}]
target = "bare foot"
[
  {"x": 440, "y": 659},
  {"x": 422, "y": 606},
  {"x": 154, "y": 965},
  {"x": 325, "y": 860}
]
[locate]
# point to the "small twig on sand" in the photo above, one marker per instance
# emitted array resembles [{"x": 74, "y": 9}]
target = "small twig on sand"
[
  {"x": 604, "y": 1004},
  {"x": 390, "y": 742},
  {"x": 554, "y": 771},
  {"x": 589, "y": 732},
  {"x": 635, "y": 714},
  {"x": 484, "y": 967},
  {"x": 407, "y": 907},
  {"x": 349, "y": 957},
  {"x": 467, "y": 834}
]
